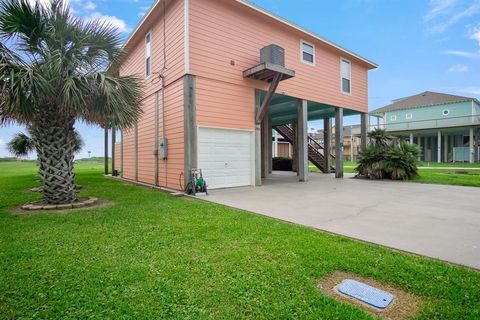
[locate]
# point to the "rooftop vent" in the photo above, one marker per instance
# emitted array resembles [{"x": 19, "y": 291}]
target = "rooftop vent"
[{"x": 273, "y": 54}]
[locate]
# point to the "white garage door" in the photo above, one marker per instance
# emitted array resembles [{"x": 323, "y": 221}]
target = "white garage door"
[{"x": 225, "y": 157}]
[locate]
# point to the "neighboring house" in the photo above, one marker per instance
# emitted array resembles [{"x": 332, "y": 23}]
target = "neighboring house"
[
  {"x": 209, "y": 102},
  {"x": 281, "y": 147},
  {"x": 446, "y": 127},
  {"x": 351, "y": 141}
]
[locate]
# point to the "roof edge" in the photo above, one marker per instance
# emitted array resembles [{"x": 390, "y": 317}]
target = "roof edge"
[
  {"x": 310, "y": 33},
  {"x": 380, "y": 111},
  {"x": 255, "y": 7}
]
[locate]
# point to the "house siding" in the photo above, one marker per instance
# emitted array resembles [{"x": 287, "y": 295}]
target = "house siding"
[
  {"x": 431, "y": 117},
  {"x": 173, "y": 71},
  {"x": 222, "y": 31}
]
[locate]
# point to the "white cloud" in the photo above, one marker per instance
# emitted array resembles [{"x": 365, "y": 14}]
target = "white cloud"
[
  {"x": 439, "y": 7},
  {"x": 464, "y": 54},
  {"x": 2, "y": 143},
  {"x": 118, "y": 23},
  {"x": 89, "y": 5},
  {"x": 471, "y": 90},
  {"x": 459, "y": 68},
  {"x": 445, "y": 14}
]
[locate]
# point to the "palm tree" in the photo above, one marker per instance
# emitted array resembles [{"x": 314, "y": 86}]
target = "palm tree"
[
  {"x": 380, "y": 137},
  {"x": 52, "y": 74},
  {"x": 22, "y": 144}
]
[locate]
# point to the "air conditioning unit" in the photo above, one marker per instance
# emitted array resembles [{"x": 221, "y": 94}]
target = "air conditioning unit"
[{"x": 273, "y": 54}]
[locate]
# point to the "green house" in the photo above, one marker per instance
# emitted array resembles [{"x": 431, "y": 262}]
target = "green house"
[{"x": 446, "y": 127}]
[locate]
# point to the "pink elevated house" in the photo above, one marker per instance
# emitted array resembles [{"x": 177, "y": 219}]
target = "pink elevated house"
[{"x": 211, "y": 104}]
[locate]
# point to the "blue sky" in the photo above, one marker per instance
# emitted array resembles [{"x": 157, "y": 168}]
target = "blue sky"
[{"x": 420, "y": 45}]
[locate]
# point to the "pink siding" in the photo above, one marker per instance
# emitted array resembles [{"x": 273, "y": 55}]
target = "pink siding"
[
  {"x": 221, "y": 31},
  {"x": 171, "y": 169},
  {"x": 221, "y": 104},
  {"x": 118, "y": 156},
  {"x": 128, "y": 154}
]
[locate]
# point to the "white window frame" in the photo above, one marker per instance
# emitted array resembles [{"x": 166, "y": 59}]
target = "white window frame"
[
  {"x": 302, "y": 42},
  {"x": 149, "y": 35},
  {"x": 350, "y": 76},
  {"x": 393, "y": 118},
  {"x": 409, "y": 116}
]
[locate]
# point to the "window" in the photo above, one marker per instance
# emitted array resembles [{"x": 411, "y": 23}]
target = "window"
[
  {"x": 408, "y": 116},
  {"x": 446, "y": 112},
  {"x": 308, "y": 52},
  {"x": 393, "y": 118},
  {"x": 148, "y": 54},
  {"x": 346, "y": 72}
]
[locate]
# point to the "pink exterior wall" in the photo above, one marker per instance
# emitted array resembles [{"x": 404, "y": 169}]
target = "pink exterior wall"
[
  {"x": 221, "y": 31},
  {"x": 170, "y": 170},
  {"x": 118, "y": 156}
]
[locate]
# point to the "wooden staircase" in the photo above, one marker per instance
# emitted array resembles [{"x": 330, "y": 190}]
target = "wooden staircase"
[{"x": 315, "y": 150}]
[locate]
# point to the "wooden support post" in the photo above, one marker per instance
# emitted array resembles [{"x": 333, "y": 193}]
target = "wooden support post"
[
  {"x": 113, "y": 151},
  {"x": 327, "y": 129},
  {"x": 411, "y": 138},
  {"x": 445, "y": 148},
  {"x": 472, "y": 147},
  {"x": 136, "y": 152},
  {"x": 294, "y": 148},
  {"x": 302, "y": 140},
  {"x": 262, "y": 111},
  {"x": 419, "y": 143},
  {"x": 121, "y": 154},
  {"x": 338, "y": 142},
  {"x": 190, "y": 123},
  {"x": 439, "y": 146},
  {"x": 270, "y": 145},
  {"x": 265, "y": 143},
  {"x": 258, "y": 145},
  {"x": 105, "y": 160},
  {"x": 363, "y": 129}
]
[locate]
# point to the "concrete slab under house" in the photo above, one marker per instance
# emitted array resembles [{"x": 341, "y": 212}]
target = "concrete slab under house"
[
  {"x": 220, "y": 76},
  {"x": 445, "y": 127}
]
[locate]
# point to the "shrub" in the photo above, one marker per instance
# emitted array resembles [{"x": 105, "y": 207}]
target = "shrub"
[
  {"x": 385, "y": 158},
  {"x": 282, "y": 164}
]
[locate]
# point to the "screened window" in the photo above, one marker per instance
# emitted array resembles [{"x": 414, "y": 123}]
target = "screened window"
[
  {"x": 308, "y": 52},
  {"x": 346, "y": 73},
  {"x": 148, "y": 54},
  {"x": 408, "y": 116}
]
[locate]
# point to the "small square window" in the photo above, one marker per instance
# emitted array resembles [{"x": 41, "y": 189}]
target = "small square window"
[
  {"x": 308, "y": 52},
  {"x": 446, "y": 112},
  {"x": 408, "y": 116},
  {"x": 393, "y": 118}
]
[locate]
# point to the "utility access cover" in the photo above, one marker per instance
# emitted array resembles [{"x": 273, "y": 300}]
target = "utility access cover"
[{"x": 365, "y": 293}]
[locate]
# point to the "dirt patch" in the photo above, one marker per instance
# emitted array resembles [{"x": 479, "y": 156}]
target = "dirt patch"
[
  {"x": 404, "y": 305},
  {"x": 82, "y": 204}
]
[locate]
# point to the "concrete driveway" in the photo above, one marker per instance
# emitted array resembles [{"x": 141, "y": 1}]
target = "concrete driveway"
[{"x": 433, "y": 220}]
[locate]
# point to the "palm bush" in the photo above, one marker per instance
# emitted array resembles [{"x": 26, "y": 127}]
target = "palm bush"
[
  {"x": 21, "y": 144},
  {"x": 386, "y": 159},
  {"x": 52, "y": 74}
]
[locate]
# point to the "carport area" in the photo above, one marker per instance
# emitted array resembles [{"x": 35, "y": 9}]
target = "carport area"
[{"x": 432, "y": 220}]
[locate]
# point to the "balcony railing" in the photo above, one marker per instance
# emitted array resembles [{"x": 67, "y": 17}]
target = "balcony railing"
[{"x": 446, "y": 122}]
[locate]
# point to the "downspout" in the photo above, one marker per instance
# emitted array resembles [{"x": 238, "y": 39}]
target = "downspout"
[{"x": 155, "y": 149}]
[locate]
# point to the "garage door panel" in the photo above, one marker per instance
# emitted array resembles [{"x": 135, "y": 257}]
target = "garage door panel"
[{"x": 225, "y": 157}]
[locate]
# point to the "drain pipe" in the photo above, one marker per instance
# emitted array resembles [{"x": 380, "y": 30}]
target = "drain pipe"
[{"x": 155, "y": 149}]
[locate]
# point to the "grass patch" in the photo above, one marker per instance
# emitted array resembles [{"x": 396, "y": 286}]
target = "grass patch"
[
  {"x": 152, "y": 256},
  {"x": 469, "y": 178}
]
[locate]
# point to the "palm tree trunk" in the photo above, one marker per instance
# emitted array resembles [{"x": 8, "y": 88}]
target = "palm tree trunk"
[{"x": 55, "y": 145}]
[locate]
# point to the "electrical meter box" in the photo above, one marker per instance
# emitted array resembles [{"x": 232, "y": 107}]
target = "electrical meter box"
[{"x": 163, "y": 148}]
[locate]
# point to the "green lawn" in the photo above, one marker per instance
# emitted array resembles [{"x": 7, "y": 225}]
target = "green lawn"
[
  {"x": 459, "y": 174},
  {"x": 152, "y": 256}
]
